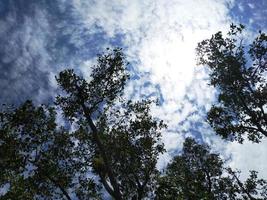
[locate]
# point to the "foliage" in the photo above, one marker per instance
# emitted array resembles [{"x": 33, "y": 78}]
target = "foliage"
[
  {"x": 239, "y": 73},
  {"x": 121, "y": 137},
  {"x": 107, "y": 145},
  {"x": 199, "y": 174},
  {"x": 36, "y": 156}
]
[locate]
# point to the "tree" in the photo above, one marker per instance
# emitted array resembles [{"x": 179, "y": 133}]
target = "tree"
[
  {"x": 239, "y": 74},
  {"x": 199, "y": 174},
  {"x": 36, "y": 157},
  {"x": 105, "y": 142},
  {"x": 117, "y": 140},
  {"x": 121, "y": 137}
]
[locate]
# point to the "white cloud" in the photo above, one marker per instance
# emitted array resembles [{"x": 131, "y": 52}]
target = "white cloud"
[
  {"x": 161, "y": 37},
  {"x": 252, "y": 6},
  {"x": 249, "y": 156},
  {"x": 241, "y": 7},
  {"x": 24, "y": 57}
]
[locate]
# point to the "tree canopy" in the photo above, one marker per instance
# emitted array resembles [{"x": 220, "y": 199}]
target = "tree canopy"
[
  {"x": 239, "y": 73},
  {"x": 116, "y": 140},
  {"x": 93, "y": 143},
  {"x": 197, "y": 173}
]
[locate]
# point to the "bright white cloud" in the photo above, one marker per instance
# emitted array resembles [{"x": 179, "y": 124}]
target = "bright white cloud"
[
  {"x": 161, "y": 37},
  {"x": 249, "y": 156}
]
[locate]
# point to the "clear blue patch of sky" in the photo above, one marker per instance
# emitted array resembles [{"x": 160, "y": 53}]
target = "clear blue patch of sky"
[{"x": 250, "y": 12}]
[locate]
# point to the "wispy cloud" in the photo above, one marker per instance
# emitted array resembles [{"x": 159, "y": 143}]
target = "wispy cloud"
[
  {"x": 159, "y": 38},
  {"x": 23, "y": 53}
]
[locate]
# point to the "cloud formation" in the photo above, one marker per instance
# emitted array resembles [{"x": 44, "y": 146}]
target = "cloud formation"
[
  {"x": 23, "y": 52},
  {"x": 38, "y": 39}
]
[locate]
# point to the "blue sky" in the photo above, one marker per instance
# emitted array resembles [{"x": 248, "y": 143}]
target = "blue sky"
[{"x": 40, "y": 38}]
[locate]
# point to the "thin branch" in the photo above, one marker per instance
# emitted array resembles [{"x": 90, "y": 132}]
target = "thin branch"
[
  {"x": 106, "y": 185},
  {"x": 242, "y": 187},
  {"x": 59, "y": 186}
]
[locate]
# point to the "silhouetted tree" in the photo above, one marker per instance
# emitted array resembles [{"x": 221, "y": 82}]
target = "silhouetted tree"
[
  {"x": 117, "y": 140},
  {"x": 239, "y": 73},
  {"x": 199, "y": 174},
  {"x": 113, "y": 141},
  {"x": 36, "y": 156},
  {"x": 121, "y": 137}
]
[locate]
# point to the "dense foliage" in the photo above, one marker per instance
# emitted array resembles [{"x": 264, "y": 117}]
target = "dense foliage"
[
  {"x": 239, "y": 73},
  {"x": 94, "y": 144},
  {"x": 116, "y": 140},
  {"x": 199, "y": 174}
]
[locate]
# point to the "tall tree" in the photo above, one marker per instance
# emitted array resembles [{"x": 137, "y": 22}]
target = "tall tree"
[
  {"x": 199, "y": 174},
  {"x": 111, "y": 139},
  {"x": 121, "y": 137},
  {"x": 116, "y": 140},
  {"x": 239, "y": 74}
]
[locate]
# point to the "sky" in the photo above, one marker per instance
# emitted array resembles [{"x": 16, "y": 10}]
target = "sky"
[{"x": 40, "y": 38}]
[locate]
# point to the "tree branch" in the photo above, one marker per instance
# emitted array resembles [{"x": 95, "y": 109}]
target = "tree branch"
[
  {"x": 106, "y": 185},
  {"x": 252, "y": 115},
  {"x": 59, "y": 186},
  {"x": 116, "y": 194},
  {"x": 240, "y": 184}
]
